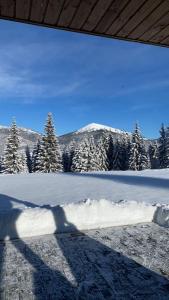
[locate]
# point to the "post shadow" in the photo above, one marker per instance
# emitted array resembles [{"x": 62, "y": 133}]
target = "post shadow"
[{"x": 103, "y": 273}]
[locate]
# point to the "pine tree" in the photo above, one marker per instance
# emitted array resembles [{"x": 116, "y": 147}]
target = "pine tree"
[
  {"x": 109, "y": 146},
  {"x": 84, "y": 158},
  {"x": 24, "y": 163},
  {"x": 35, "y": 157},
  {"x": 154, "y": 156},
  {"x": 118, "y": 156},
  {"x": 138, "y": 158},
  {"x": 28, "y": 159},
  {"x": 164, "y": 147},
  {"x": 125, "y": 150},
  {"x": 102, "y": 149},
  {"x": 50, "y": 155},
  {"x": 12, "y": 162},
  {"x": 68, "y": 156}
]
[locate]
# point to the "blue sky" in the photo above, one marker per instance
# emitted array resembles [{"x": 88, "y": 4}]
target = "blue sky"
[{"x": 81, "y": 79}]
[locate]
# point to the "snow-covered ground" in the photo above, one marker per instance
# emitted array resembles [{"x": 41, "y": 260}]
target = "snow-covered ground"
[{"x": 35, "y": 204}]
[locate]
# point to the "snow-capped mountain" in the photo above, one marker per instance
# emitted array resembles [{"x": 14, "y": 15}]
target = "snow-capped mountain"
[
  {"x": 95, "y": 127},
  {"x": 28, "y": 137}
]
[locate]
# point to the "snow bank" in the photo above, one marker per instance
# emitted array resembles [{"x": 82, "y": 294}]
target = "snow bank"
[
  {"x": 84, "y": 215},
  {"x": 161, "y": 216}
]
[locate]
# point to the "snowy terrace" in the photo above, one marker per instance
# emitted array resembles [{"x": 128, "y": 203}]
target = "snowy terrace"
[
  {"x": 87, "y": 200},
  {"x": 84, "y": 236}
]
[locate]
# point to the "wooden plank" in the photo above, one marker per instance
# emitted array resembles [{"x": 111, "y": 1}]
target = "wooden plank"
[
  {"x": 82, "y": 13},
  {"x": 139, "y": 31},
  {"x": 159, "y": 25},
  {"x": 139, "y": 16},
  {"x": 22, "y": 9},
  {"x": 125, "y": 15},
  {"x": 96, "y": 14},
  {"x": 69, "y": 9},
  {"x": 7, "y": 8},
  {"x": 38, "y": 10},
  {"x": 110, "y": 15},
  {"x": 166, "y": 41},
  {"x": 53, "y": 11},
  {"x": 162, "y": 35}
]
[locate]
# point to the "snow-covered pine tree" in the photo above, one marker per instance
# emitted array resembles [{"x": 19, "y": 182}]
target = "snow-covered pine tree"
[
  {"x": 28, "y": 159},
  {"x": 138, "y": 158},
  {"x": 36, "y": 156},
  {"x": 12, "y": 162},
  {"x": 102, "y": 149},
  {"x": 125, "y": 150},
  {"x": 154, "y": 157},
  {"x": 144, "y": 158},
  {"x": 109, "y": 146},
  {"x": 68, "y": 156},
  {"x": 84, "y": 158},
  {"x": 24, "y": 163},
  {"x": 118, "y": 156},
  {"x": 163, "y": 149},
  {"x": 50, "y": 160}
]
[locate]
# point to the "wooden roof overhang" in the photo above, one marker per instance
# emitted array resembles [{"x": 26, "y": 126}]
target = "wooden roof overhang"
[{"x": 145, "y": 21}]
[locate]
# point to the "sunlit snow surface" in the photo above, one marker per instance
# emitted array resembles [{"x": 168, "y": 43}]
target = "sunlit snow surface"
[{"x": 150, "y": 186}]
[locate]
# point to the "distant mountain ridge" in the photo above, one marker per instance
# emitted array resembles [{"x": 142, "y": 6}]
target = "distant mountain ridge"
[{"x": 29, "y": 137}]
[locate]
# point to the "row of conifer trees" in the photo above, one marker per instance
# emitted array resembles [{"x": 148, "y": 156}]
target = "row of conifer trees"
[{"x": 128, "y": 152}]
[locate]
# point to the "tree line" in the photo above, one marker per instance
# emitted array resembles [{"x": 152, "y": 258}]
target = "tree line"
[{"x": 129, "y": 152}]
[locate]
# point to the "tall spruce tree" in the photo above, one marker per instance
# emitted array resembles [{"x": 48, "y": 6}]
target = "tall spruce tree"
[
  {"x": 138, "y": 158},
  {"x": 109, "y": 146},
  {"x": 12, "y": 161},
  {"x": 68, "y": 156},
  {"x": 163, "y": 149},
  {"x": 85, "y": 157},
  {"x": 49, "y": 159},
  {"x": 154, "y": 156},
  {"x": 118, "y": 156},
  {"x": 101, "y": 154},
  {"x": 28, "y": 159}
]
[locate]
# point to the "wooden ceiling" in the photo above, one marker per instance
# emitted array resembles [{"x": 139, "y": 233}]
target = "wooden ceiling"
[{"x": 144, "y": 21}]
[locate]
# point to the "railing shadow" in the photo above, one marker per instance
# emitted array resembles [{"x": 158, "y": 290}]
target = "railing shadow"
[
  {"x": 127, "y": 179},
  {"x": 99, "y": 271}
]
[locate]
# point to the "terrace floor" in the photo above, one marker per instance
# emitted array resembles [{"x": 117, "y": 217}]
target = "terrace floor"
[{"x": 128, "y": 262}]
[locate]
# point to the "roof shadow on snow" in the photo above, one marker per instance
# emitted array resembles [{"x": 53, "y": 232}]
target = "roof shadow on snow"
[
  {"x": 99, "y": 271},
  {"x": 129, "y": 179}
]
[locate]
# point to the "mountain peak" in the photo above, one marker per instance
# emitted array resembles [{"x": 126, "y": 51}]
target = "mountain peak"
[{"x": 94, "y": 127}]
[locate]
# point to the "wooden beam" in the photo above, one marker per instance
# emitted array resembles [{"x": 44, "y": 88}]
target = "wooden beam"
[
  {"x": 138, "y": 17},
  {"x": 82, "y": 13},
  {"x": 38, "y": 10},
  {"x": 124, "y": 16},
  {"x": 151, "y": 20},
  {"x": 96, "y": 14},
  {"x": 23, "y": 9},
  {"x": 53, "y": 11},
  {"x": 69, "y": 9},
  {"x": 7, "y": 8}
]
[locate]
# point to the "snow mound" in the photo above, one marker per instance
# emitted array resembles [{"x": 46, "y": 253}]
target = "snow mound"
[
  {"x": 85, "y": 215},
  {"x": 161, "y": 216},
  {"x": 95, "y": 127}
]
